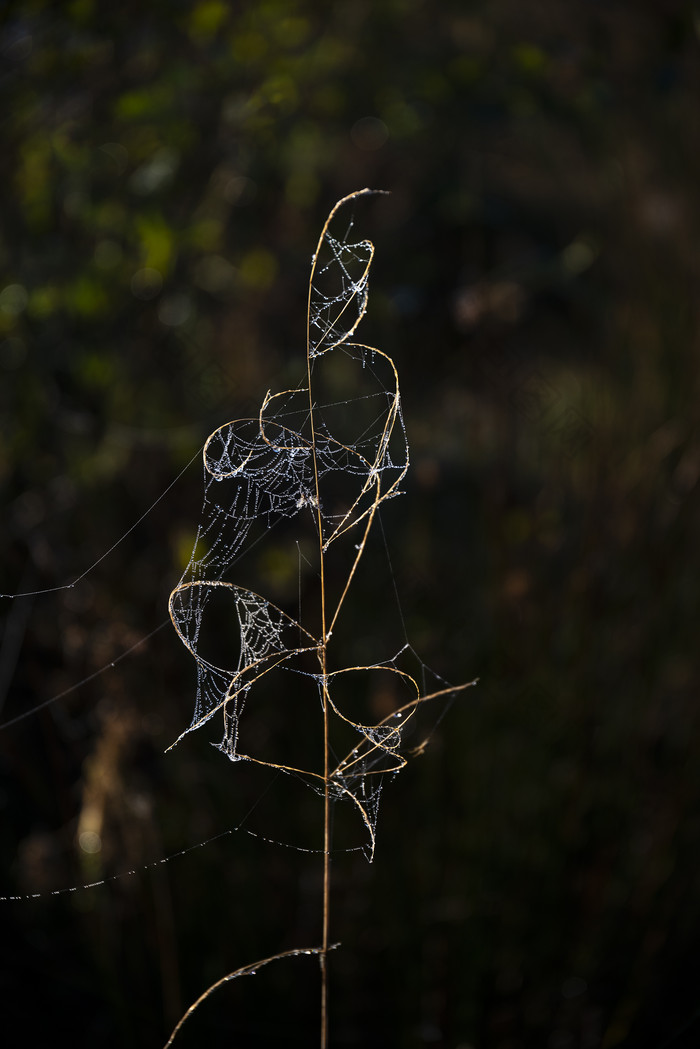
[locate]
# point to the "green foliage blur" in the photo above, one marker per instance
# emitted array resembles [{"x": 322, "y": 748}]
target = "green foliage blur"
[{"x": 166, "y": 168}]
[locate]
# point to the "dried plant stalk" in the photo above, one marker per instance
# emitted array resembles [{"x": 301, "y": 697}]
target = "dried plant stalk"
[{"x": 289, "y": 463}]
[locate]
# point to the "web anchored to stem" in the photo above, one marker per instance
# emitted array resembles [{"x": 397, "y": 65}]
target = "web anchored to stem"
[{"x": 324, "y": 467}]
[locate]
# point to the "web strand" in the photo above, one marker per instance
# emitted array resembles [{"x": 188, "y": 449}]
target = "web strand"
[
  {"x": 79, "y": 684},
  {"x": 111, "y": 549},
  {"x": 154, "y": 864}
]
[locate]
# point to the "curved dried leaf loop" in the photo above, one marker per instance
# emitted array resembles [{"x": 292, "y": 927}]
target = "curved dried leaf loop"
[{"x": 245, "y": 970}]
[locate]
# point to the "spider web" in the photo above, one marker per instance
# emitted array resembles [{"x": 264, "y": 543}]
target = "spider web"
[{"x": 326, "y": 466}]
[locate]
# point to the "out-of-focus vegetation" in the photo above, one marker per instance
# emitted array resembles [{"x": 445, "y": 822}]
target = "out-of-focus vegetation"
[{"x": 165, "y": 169}]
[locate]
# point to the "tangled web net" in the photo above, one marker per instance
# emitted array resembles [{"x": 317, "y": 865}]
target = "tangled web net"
[{"x": 300, "y": 460}]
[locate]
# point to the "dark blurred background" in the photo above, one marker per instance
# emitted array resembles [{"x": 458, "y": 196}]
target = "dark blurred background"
[{"x": 166, "y": 170}]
